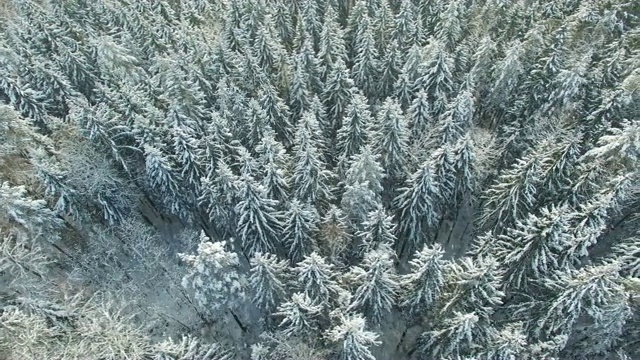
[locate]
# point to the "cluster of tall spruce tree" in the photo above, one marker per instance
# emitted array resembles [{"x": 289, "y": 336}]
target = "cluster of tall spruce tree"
[{"x": 320, "y": 179}]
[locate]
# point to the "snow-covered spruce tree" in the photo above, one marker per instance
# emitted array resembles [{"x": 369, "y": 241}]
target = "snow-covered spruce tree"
[
  {"x": 357, "y": 23},
  {"x": 354, "y": 341},
  {"x": 299, "y": 95},
  {"x": 300, "y": 229},
  {"x": 259, "y": 223},
  {"x": 444, "y": 174},
  {"x": 163, "y": 178},
  {"x": 268, "y": 280},
  {"x": 32, "y": 218},
  {"x": 422, "y": 286},
  {"x": 378, "y": 231},
  {"x": 310, "y": 16},
  {"x": 357, "y": 201},
  {"x": 383, "y": 22},
  {"x": 464, "y": 163},
  {"x": 531, "y": 250},
  {"x": 278, "y": 114},
  {"x": 417, "y": 204},
  {"x": 366, "y": 67},
  {"x": 311, "y": 64},
  {"x": 185, "y": 146},
  {"x": 283, "y": 21},
  {"x": 457, "y": 119},
  {"x": 300, "y": 316},
  {"x": 451, "y": 24},
  {"x": 266, "y": 46},
  {"x": 405, "y": 31},
  {"x": 438, "y": 79},
  {"x": 214, "y": 276},
  {"x": 472, "y": 285},
  {"x": 244, "y": 162},
  {"x": 66, "y": 198},
  {"x": 274, "y": 163},
  {"x": 628, "y": 252},
  {"x": 595, "y": 292},
  {"x": 318, "y": 280},
  {"x": 219, "y": 196},
  {"x": 389, "y": 138},
  {"x": 332, "y": 48},
  {"x": 354, "y": 132},
  {"x": 375, "y": 283},
  {"x": 507, "y": 76},
  {"x": 513, "y": 193},
  {"x": 365, "y": 167},
  {"x": 310, "y": 175},
  {"x": 455, "y": 336},
  {"x": 420, "y": 119},
  {"x": 390, "y": 67},
  {"x": 362, "y": 187},
  {"x": 338, "y": 93},
  {"x": 256, "y": 123}
]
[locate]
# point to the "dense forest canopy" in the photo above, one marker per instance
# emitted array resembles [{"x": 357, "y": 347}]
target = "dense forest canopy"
[{"x": 319, "y": 179}]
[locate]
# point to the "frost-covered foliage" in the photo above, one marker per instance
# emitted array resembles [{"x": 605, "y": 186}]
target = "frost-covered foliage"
[
  {"x": 354, "y": 341},
  {"x": 318, "y": 280},
  {"x": 423, "y": 285},
  {"x": 375, "y": 283},
  {"x": 464, "y": 170},
  {"x": 299, "y": 314},
  {"x": 268, "y": 279},
  {"x": 214, "y": 275}
]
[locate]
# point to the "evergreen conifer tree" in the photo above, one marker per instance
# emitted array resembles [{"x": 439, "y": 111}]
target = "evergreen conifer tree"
[
  {"x": 268, "y": 280},
  {"x": 352, "y": 136},
  {"x": 376, "y": 284},
  {"x": 310, "y": 174},
  {"x": 423, "y": 285},
  {"x": 338, "y": 93},
  {"x": 259, "y": 224},
  {"x": 353, "y": 338},
  {"x": 300, "y": 316},
  {"x": 390, "y": 139},
  {"x": 300, "y": 229},
  {"x": 318, "y": 280},
  {"x": 417, "y": 204}
]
